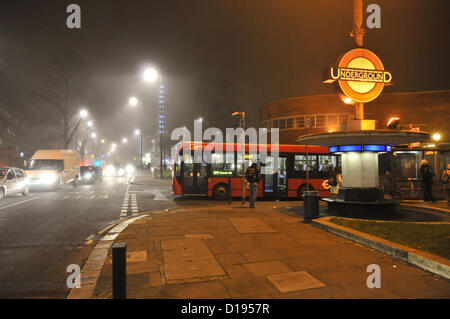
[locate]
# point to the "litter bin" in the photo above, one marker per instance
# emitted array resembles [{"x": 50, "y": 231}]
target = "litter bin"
[{"x": 310, "y": 205}]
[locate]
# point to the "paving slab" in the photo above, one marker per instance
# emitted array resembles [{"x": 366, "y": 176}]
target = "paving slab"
[{"x": 294, "y": 281}]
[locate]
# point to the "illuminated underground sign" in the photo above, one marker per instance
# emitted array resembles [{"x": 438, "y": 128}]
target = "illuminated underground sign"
[
  {"x": 360, "y": 75},
  {"x": 360, "y": 148},
  {"x": 348, "y": 74}
]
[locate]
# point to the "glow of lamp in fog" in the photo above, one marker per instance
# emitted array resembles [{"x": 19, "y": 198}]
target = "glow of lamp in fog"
[
  {"x": 133, "y": 101},
  {"x": 150, "y": 75}
]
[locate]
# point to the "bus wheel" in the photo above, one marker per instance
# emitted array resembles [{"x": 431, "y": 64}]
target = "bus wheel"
[
  {"x": 301, "y": 190},
  {"x": 220, "y": 192}
]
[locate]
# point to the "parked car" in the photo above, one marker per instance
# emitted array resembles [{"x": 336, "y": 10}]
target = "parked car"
[
  {"x": 53, "y": 168},
  {"x": 13, "y": 181},
  {"x": 91, "y": 174}
]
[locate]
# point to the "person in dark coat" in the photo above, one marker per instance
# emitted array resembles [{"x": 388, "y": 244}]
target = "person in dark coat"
[
  {"x": 426, "y": 176},
  {"x": 253, "y": 175}
]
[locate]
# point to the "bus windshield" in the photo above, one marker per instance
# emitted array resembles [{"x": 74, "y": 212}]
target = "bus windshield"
[{"x": 44, "y": 164}]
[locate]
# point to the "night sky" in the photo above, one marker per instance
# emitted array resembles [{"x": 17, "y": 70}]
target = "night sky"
[{"x": 264, "y": 49}]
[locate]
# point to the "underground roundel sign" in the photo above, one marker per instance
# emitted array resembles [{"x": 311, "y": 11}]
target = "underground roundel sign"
[{"x": 360, "y": 75}]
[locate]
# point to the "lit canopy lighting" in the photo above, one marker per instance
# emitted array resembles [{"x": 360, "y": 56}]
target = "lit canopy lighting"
[
  {"x": 393, "y": 122},
  {"x": 436, "y": 136},
  {"x": 150, "y": 75}
]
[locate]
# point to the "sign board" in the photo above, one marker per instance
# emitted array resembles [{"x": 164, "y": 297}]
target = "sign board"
[{"x": 360, "y": 75}]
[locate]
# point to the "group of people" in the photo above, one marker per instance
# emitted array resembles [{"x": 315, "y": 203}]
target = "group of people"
[{"x": 253, "y": 176}]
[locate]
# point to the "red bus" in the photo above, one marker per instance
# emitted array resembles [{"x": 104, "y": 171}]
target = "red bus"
[{"x": 283, "y": 178}]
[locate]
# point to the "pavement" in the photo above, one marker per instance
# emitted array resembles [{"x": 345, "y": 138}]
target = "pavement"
[{"x": 209, "y": 249}]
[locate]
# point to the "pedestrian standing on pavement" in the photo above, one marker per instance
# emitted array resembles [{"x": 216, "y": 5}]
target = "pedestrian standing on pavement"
[
  {"x": 253, "y": 175},
  {"x": 335, "y": 181},
  {"x": 426, "y": 175},
  {"x": 446, "y": 182}
]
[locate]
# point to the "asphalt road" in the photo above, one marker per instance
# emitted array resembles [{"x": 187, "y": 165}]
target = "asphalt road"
[{"x": 44, "y": 232}]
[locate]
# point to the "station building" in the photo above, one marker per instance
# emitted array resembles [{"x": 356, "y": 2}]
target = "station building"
[{"x": 428, "y": 110}]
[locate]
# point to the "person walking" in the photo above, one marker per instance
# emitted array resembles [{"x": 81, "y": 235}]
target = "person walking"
[
  {"x": 335, "y": 181},
  {"x": 253, "y": 175},
  {"x": 446, "y": 182},
  {"x": 426, "y": 175}
]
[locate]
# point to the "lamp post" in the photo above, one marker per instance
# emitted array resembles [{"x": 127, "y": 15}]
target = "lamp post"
[
  {"x": 242, "y": 124},
  {"x": 151, "y": 75}
]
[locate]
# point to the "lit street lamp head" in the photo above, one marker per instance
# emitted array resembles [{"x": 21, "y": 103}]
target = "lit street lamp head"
[
  {"x": 89, "y": 124},
  {"x": 133, "y": 101},
  {"x": 436, "y": 136},
  {"x": 124, "y": 140},
  {"x": 83, "y": 113},
  {"x": 150, "y": 75},
  {"x": 93, "y": 135},
  {"x": 137, "y": 132}
]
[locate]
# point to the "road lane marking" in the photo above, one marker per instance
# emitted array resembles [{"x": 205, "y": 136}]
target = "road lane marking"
[{"x": 18, "y": 203}]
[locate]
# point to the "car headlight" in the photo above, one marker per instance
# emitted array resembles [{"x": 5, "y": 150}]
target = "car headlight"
[
  {"x": 48, "y": 178},
  {"x": 109, "y": 170},
  {"x": 129, "y": 169},
  {"x": 88, "y": 175}
]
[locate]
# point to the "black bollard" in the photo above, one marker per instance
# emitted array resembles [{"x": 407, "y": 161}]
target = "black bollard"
[
  {"x": 119, "y": 254},
  {"x": 229, "y": 190},
  {"x": 310, "y": 206}
]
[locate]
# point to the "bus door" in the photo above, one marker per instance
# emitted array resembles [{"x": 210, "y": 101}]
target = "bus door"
[
  {"x": 274, "y": 177},
  {"x": 195, "y": 178}
]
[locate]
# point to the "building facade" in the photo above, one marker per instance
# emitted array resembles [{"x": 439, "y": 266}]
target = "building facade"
[{"x": 429, "y": 110}]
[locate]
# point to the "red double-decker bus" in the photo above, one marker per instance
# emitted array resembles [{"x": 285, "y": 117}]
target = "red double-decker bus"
[{"x": 284, "y": 177}]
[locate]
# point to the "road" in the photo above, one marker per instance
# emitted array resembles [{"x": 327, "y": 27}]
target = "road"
[{"x": 44, "y": 232}]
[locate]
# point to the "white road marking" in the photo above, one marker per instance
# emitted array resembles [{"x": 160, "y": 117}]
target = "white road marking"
[
  {"x": 66, "y": 197},
  {"x": 93, "y": 196},
  {"x": 106, "y": 196},
  {"x": 18, "y": 203}
]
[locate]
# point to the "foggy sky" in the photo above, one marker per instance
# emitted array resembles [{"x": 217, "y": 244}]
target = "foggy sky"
[{"x": 268, "y": 49}]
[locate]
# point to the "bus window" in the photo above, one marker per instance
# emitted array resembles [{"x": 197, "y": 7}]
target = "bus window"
[
  {"x": 222, "y": 164},
  {"x": 300, "y": 163}
]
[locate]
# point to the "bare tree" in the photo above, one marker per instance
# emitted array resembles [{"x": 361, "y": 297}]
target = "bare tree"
[
  {"x": 215, "y": 100},
  {"x": 60, "y": 95}
]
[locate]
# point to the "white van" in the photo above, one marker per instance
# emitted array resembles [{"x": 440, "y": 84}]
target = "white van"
[{"x": 53, "y": 168}]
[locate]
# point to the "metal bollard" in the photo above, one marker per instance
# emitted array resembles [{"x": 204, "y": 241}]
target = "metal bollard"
[
  {"x": 119, "y": 263},
  {"x": 229, "y": 190},
  {"x": 310, "y": 206}
]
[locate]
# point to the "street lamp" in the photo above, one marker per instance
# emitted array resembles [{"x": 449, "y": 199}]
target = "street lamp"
[
  {"x": 133, "y": 101},
  {"x": 242, "y": 123},
  {"x": 151, "y": 75},
  {"x": 436, "y": 136}
]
